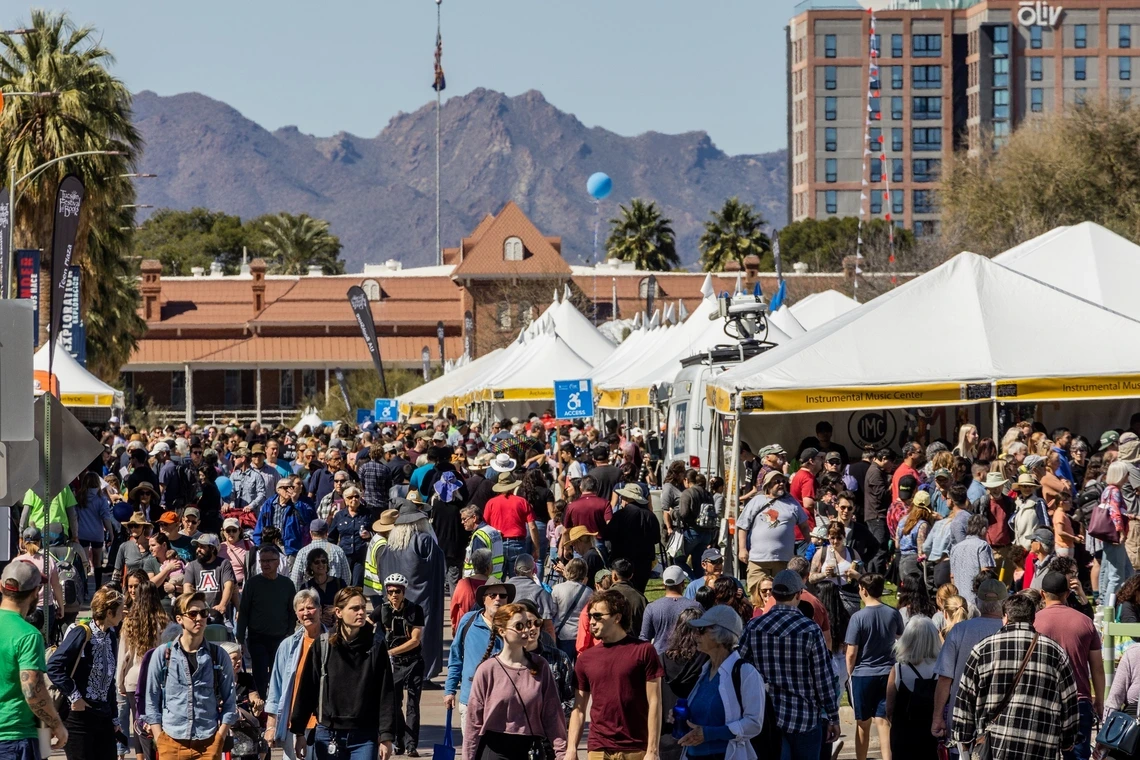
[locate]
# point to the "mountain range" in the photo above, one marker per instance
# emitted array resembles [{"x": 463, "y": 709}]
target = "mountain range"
[{"x": 378, "y": 192}]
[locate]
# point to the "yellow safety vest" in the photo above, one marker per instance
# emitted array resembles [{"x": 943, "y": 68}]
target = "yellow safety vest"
[
  {"x": 372, "y": 579},
  {"x": 493, "y": 540}
]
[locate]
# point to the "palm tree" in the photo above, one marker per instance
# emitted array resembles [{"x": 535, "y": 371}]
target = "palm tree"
[
  {"x": 294, "y": 243},
  {"x": 733, "y": 233},
  {"x": 643, "y": 236},
  {"x": 91, "y": 112}
]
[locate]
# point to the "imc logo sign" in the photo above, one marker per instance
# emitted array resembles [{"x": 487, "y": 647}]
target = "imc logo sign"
[{"x": 1038, "y": 13}]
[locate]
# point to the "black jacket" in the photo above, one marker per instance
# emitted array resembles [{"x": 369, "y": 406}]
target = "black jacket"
[
  {"x": 876, "y": 493},
  {"x": 359, "y": 692},
  {"x": 78, "y": 646},
  {"x": 689, "y": 507},
  {"x": 633, "y": 533}
]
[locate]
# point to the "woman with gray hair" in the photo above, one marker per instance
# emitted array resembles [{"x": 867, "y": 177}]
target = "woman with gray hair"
[
  {"x": 910, "y": 690},
  {"x": 290, "y": 656},
  {"x": 1115, "y": 566},
  {"x": 722, "y": 718}
]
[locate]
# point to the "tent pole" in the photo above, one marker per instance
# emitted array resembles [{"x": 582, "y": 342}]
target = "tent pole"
[
  {"x": 997, "y": 436},
  {"x": 732, "y": 487},
  {"x": 258, "y": 387},
  {"x": 189, "y": 385}
]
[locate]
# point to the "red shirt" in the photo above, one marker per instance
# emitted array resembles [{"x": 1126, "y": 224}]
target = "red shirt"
[
  {"x": 509, "y": 514},
  {"x": 619, "y": 713},
  {"x": 801, "y": 487},
  {"x": 901, "y": 472},
  {"x": 463, "y": 600},
  {"x": 590, "y": 511},
  {"x": 999, "y": 533}
]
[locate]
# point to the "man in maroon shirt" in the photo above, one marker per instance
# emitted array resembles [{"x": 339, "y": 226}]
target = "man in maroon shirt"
[
  {"x": 914, "y": 456},
  {"x": 589, "y": 510},
  {"x": 999, "y": 535}
]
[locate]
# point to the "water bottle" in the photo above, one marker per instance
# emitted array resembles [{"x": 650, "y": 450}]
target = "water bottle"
[{"x": 681, "y": 718}]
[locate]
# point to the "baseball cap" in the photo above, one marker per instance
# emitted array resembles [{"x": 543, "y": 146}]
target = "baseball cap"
[
  {"x": 21, "y": 576},
  {"x": 808, "y": 454},
  {"x": 907, "y": 486},
  {"x": 787, "y": 583},
  {"x": 160, "y": 447},
  {"x": 1045, "y": 537},
  {"x": 439, "y": 435},
  {"x": 674, "y": 575},
  {"x": 1055, "y": 583},
  {"x": 257, "y": 449},
  {"x": 168, "y": 518},
  {"x": 31, "y": 533},
  {"x": 389, "y": 447},
  {"x": 833, "y": 456},
  {"x": 1109, "y": 437},
  {"x": 317, "y": 525},
  {"x": 721, "y": 616},
  {"x": 601, "y": 575},
  {"x": 941, "y": 472},
  {"x": 711, "y": 555},
  {"x": 231, "y": 522},
  {"x": 921, "y": 499},
  {"x": 772, "y": 476},
  {"x": 206, "y": 539},
  {"x": 1033, "y": 460},
  {"x": 992, "y": 590},
  {"x": 191, "y": 512}
]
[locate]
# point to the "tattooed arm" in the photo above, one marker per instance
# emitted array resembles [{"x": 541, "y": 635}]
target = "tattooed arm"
[{"x": 35, "y": 691}]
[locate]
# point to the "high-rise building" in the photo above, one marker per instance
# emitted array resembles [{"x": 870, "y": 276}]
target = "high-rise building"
[{"x": 950, "y": 75}]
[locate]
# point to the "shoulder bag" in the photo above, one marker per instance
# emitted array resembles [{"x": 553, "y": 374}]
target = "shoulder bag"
[
  {"x": 1120, "y": 734},
  {"x": 982, "y": 749},
  {"x": 541, "y": 749}
]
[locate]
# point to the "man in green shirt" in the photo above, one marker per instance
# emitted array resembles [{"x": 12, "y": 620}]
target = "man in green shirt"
[
  {"x": 23, "y": 686},
  {"x": 62, "y": 511}
]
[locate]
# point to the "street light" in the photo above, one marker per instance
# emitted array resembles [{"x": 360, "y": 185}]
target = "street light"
[
  {"x": 136, "y": 205},
  {"x": 135, "y": 175}
]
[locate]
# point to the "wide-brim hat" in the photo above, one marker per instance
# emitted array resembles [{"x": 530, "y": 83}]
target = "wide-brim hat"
[
  {"x": 1027, "y": 480},
  {"x": 386, "y": 522},
  {"x": 479, "y": 463},
  {"x": 409, "y": 512},
  {"x": 580, "y": 531},
  {"x": 630, "y": 492},
  {"x": 506, "y": 482},
  {"x": 414, "y": 497},
  {"x": 138, "y": 518},
  {"x": 481, "y": 592},
  {"x": 995, "y": 480},
  {"x": 503, "y": 463},
  {"x": 141, "y": 488}
]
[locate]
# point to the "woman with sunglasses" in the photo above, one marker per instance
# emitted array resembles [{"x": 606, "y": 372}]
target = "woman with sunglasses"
[
  {"x": 351, "y": 693},
  {"x": 235, "y": 548},
  {"x": 141, "y": 630},
  {"x": 327, "y": 586},
  {"x": 514, "y": 702}
]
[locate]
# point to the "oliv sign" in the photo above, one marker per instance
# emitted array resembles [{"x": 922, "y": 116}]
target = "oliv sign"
[{"x": 1038, "y": 13}]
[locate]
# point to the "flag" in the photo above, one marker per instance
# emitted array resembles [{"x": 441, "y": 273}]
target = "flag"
[
  {"x": 68, "y": 201},
  {"x": 440, "y": 82},
  {"x": 363, "y": 313}
]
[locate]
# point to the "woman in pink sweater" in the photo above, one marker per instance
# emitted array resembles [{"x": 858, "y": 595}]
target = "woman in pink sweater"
[{"x": 514, "y": 700}]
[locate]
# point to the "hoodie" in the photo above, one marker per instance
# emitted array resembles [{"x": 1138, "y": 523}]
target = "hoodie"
[
  {"x": 1025, "y": 521},
  {"x": 359, "y": 694}
]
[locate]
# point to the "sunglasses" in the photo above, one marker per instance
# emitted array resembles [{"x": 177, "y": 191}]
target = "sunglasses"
[
  {"x": 524, "y": 627},
  {"x": 597, "y": 617},
  {"x": 496, "y": 595},
  {"x": 231, "y": 530},
  {"x": 195, "y": 614},
  {"x": 190, "y": 519},
  {"x": 320, "y": 561},
  {"x": 395, "y": 591}
]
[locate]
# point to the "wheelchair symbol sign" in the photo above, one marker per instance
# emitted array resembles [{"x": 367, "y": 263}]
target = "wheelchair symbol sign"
[{"x": 573, "y": 398}]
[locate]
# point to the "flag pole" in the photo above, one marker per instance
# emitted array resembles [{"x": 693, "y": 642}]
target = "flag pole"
[{"x": 438, "y": 141}]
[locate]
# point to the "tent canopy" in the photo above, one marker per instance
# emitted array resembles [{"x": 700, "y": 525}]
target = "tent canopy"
[
  {"x": 1086, "y": 260},
  {"x": 820, "y": 308},
  {"x": 77, "y": 386},
  {"x": 875, "y": 355},
  {"x": 431, "y": 394}
]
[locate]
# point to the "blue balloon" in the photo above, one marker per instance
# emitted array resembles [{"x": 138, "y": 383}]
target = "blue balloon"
[
  {"x": 599, "y": 185},
  {"x": 225, "y": 486}
]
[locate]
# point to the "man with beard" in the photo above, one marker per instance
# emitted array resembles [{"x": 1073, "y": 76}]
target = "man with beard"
[
  {"x": 765, "y": 531},
  {"x": 210, "y": 575}
]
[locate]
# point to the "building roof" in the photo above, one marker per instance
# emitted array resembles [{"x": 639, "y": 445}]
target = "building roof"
[{"x": 485, "y": 256}]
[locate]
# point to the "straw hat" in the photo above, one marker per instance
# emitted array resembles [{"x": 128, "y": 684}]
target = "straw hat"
[
  {"x": 580, "y": 531},
  {"x": 386, "y": 522},
  {"x": 1025, "y": 480}
]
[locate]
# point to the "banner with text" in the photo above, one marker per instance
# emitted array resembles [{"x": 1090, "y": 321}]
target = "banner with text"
[
  {"x": 5, "y": 254},
  {"x": 69, "y": 329},
  {"x": 68, "y": 202},
  {"x": 362, "y": 310},
  {"x": 28, "y": 286}
]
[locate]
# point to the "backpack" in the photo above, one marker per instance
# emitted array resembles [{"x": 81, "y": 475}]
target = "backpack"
[
  {"x": 920, "y": 706},
  {"x": 217, "y": 655},
  {"x": 58, "y": 698},
  {"x": 707, "y": 517},
  {"x": 1086, "y": 500},
  {"x": 770, "y": 735},
  {"x": 71, "y": 579}
]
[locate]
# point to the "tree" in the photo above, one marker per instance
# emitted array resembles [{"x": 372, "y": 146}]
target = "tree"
[
  {"x": 292, "y": 244},
  {"x": 643, "y": 236},
  {"x": 91, "y": 112},
  {"x": 734, "y": 232},
  {"x": 828, "y": 245},
  {"x": 196, "y": 238},
  {"x": 1080, "y": 164}
]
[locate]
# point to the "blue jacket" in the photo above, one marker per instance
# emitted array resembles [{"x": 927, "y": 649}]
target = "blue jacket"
[
  {"x": 281, "y": 681},
  {"x": 295, "y": 529},
  {"x": 188, "y": 707},
  {"x": 461, "y": 665}
]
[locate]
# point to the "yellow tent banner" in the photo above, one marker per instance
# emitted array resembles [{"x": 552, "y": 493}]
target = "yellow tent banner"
[
  {"x": 521, "y": 394},
  {"x": 636, "y": 398},
  {"x": 610, "y": 400},
  {"x": 1059, "y": 388},
  {"x": 878, "y": 397}
]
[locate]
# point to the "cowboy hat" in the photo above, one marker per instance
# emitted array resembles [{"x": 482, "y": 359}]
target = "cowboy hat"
[
  {"x": 503, "y": 463},
  {"x": 138, "y": 518},
  {"x": 579, "y": 531},
  {"x": 482, "y": 591},
  {"x": 414, "y": 497},
  {"x": 409, "y": 512},
  {"x": 480, "y": 462},
  {"x": 506, "y": 482},
  {"x": 386, "y": 522},
  {"x": 995, "y": 480},
  {"x": 630, "y": 492},
  {"x": 1026, "y": 480}
]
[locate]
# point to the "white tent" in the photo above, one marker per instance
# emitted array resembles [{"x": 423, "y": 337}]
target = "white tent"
[
  {"x": 820, "y": 308},
  {"x": 783, "y": 319},
  {"x": 431, "y": 394},
  {"x": 310, "y": 418},
  {"x": 579, "y": 333},
  {"x": 867, "y": 358},
  {"x": 1086, "y": 260},
  {"x": 77, "y": 386}
]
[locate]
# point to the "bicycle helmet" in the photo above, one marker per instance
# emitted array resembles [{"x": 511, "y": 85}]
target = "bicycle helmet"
[{"x": 395, "y": 579}]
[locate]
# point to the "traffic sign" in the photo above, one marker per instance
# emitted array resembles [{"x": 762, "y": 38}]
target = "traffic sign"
[
  {"x": 573, "y": 398},
  {"x": 363, "y": 416},
  {"x": 386, "y": 410}
]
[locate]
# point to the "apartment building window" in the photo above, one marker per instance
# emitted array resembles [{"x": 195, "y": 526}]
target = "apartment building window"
[
  {"x": 927, "y": 138},
  {"x": 829, "y": 82},
  {"x": 1001, "y": 104},
  {"x": 876, "y": 84},
  {"x": 1080, "y": 36},
  {"x": 876, "y": 44},
  {"x": 829, "y": 108},
  {"x": 876, "y": 170},
  {"x": 1001, "y": 40},
  {"x": 897, "y": 169},
  {"x": 896, "y": 139},
  {"x": 896, "y": 77},
  {"x": 925, "y": 169},
  {"x": 896, "y": 46},
  {"x": 897, "y": 108},
  {"x": 926, "y": 77},
  {"x": 1124, "y": 36},
  {"x": 876, "y": 202},
  {"x": 924, "y": 201},
  {"x": 1125, "y": 68},
  {"x": 831, "y": 170},
  {"x": 832, "y": 200},
  {"x": 287, "y": 394},
  {"x": 1037, "y": 100},
  {"x": 830, "y": 139},
  {"x": 926, "y": 109},
  {"x": 829, "y": 46},
  {"x": 1036, "y": 37},
  {"x": 925, "y": 227},
  {"x": 876, "y": 139},
  {"x": 926, "y": 45},
  {"x": 876, "y": 108},
  {"x": 897, "y": 201},
  {"x": 1001, "y": 72},
  {"x": 1036, "y": 69},
  {"x": 1080, "y": 68}
]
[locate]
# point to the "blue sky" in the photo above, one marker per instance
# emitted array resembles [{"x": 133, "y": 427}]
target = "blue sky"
[{"x": 626, "y": 65}]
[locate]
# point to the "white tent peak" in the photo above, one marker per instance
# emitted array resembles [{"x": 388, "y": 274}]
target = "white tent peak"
[
  {"x": 682, "y": 312},
  {"x": 655, "y": 320},
  {"x": 820, "y": 308},
  {"x": 566, "y": 292},
  {"x": 739, "y": 285},
  {"x": 707, "y": 290}
]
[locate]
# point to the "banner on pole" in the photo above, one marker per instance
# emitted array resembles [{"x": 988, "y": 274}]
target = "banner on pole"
[
  {"x": 361, "y": 309},
  {"x": 68, "y": 201},
  {"x": 469, "y": 334},
  {"x": 573, "y": 399},
  {"x": 439, "y": 336},
  {"x": 425, "y": 357},
  {"x": 5, "y": 254},
  {"x": 69, "y": 329},
  {"x": 650, "y": 296},
  {"x": 28, "y": 286}
]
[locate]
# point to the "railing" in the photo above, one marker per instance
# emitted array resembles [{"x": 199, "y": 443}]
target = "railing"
[
  {"x": 268, "y": 415},
  {"x": 1110, "y": 632}
]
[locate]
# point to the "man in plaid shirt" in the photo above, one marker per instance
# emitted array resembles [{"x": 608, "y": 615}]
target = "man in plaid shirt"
[
  {"x": 788, "y": 650},
  {"x": 375, "y": 479},
  {"x": 1041, "y": 719}
]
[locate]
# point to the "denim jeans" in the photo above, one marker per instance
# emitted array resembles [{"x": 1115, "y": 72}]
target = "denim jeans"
[
  {"x": 803, "y": 746},
  {"x": 20, "y": 749},
  {"x": 350, "y": 745},
  {"x": 696, "y": 541},
  {"x": 1082, "y": 749},
  {"x": 512, "y": 548},
  {"x": 1114, "y": 570}
]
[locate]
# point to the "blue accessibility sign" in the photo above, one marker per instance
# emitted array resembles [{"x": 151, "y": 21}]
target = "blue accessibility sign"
[
  {"x": 386, "y": 410},
  {"x": 573, "y": 398}
]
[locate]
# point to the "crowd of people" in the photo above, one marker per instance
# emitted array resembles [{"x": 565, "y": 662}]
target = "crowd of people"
[{"x": 268, "y": 588}]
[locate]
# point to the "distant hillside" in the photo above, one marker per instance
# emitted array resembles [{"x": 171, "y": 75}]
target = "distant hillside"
[{"x": 379, "y": 193}]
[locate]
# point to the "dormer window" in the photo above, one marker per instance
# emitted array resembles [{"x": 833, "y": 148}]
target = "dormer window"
[
  {"x": 371, "y": 289},
  {"x": 512, "y": 249}
]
